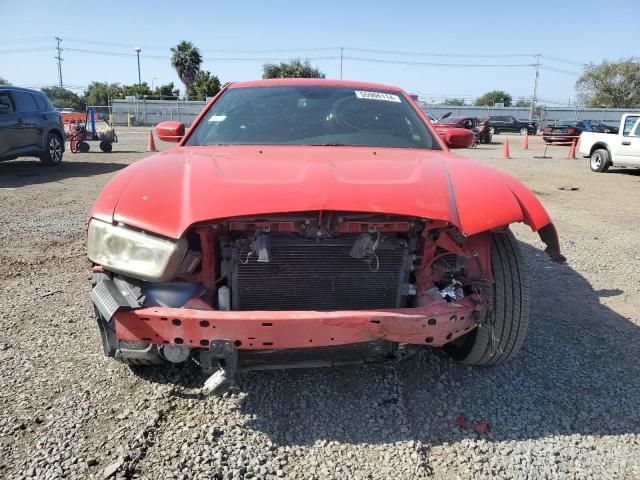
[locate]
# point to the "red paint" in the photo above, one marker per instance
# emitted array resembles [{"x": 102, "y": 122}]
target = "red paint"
[
  {"x": 170, "y": 131},
  {"x": 298, "y": 329},
  {"x": 169, "y": 192}
]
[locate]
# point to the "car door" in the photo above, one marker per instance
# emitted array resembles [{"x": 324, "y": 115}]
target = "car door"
[
  {"x": 510, "y": 124},
  {"x": 628, "y": 151},
  {"x": 9, "y": 132},
  {"x": 45, "y": 118},
  {"x": 28, "y": 120}
]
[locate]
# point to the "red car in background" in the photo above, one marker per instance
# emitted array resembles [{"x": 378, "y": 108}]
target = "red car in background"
[
  {"x": 307, "y": 222},
  {"x": 479, "y": 127}
]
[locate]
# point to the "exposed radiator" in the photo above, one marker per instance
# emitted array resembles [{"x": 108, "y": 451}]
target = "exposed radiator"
[{"x": 307, "y": 275}]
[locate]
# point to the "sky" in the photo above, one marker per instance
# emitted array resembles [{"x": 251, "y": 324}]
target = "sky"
[{"x": 236, "y": 38}]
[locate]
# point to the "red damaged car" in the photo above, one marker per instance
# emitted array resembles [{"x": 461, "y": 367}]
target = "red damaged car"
[{"x": 310, "y": 223}]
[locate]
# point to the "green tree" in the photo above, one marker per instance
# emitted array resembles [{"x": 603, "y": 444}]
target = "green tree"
[
  {"x": 186, "y": 60},
  {"x": 205, "y": 85},
  {"x": 4, "y": 81},
  {"x": 493, "y": 97},
  {"x": 168, "y": 90},
  {"x": 523, "y": 103},
  {"x": 611, "y": 84},
  {"x": 132, "y": 90},
  {"x": 63, "y": 98},
  {"x": 293, "y": 69},
  {"x": 454, "y": 102},
  {"x": 100, "y": 93}
]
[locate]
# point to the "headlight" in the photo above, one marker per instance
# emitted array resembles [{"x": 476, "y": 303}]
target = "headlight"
[{"x": 130, "y": 252}]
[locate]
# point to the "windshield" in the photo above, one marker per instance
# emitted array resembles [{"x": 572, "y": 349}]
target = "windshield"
[
  {"x": 450, "y": 120},
  {"x": 312, "y": 115}
]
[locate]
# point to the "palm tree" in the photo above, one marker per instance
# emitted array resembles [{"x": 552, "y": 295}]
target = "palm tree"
[{"x": 186, "y": 59}]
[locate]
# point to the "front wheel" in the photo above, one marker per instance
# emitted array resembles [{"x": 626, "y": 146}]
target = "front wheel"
[
  {"x": 106, "y": 147},
  {"x": 52, "y": 155},
  {"x": 524, "y": 131},
  {"x": 502, "y": 332},
  {"x": 599, "y": 161}
]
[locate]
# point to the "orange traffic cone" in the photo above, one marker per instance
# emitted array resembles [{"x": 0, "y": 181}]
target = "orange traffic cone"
[
  {"x": 525, "y": 142},
  {"x": 572, "y": 150},
  {"x": 505, "y": 149},
  {"x": 151, "y": 146}
]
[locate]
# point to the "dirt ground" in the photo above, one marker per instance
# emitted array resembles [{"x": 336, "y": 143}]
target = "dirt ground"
[{"x": 567, "y": 407}]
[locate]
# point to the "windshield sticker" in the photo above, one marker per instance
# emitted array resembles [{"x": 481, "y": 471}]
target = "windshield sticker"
[
  {"x": 385, "y": 97},
  {"x": 217, "y": 118}
]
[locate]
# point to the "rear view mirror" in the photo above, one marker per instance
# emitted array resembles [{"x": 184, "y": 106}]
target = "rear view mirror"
[
  {"x": 170, "y": 131},
  {"x": 4, "y": 108},
  {"x": 459, "y": 137}
]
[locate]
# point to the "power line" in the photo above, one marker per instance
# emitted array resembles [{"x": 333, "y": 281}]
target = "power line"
[
  {"x": 438, "y": 54},
  {"x": 26, "y": 50},
  {"x": 560, "y": 70},
  {"x": 436, "y": 64},
  {"x": 564, "y": 60},
  {"x": 26, "y": 40},
  {"x": 261, "y": 59},
  {"x": 217, "y": 59},
  {"x": 206, "y": 49}
]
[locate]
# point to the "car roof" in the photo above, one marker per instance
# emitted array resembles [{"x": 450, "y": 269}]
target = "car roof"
[
  {"x": 13, "y": 87},
  {"x": 313, "y": 81}
]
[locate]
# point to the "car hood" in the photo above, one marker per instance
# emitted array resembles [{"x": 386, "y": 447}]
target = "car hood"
[{"x": 169, "y": 192}]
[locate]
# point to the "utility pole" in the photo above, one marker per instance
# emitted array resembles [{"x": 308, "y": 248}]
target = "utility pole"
[
  {"x": 534, "y": 99},
  {"x": 341, "y": 49},
  {"x": 138, "y": 50},
  {"x": 59, "y": 58}
]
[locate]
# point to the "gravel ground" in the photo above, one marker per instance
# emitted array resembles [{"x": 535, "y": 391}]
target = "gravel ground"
[{"x": 568, "y": 406}]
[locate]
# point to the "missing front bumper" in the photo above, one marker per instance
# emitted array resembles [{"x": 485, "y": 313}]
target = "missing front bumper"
[{"x": 435, "y": 324}]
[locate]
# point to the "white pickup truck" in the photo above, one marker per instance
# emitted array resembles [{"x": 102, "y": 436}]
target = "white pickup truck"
[{"x": 609, "y": 149}]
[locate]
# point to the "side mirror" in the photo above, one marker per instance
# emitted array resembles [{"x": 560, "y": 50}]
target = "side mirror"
[
  {"x": 170, "y": 131},
  {"x": 4, "y": 108},
  {"x": 459, "y": 138}
]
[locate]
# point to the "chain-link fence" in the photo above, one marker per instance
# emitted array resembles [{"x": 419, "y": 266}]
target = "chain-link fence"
[
  {"x": 151, "y": 112},
  {"x": 548, "y": 115}
]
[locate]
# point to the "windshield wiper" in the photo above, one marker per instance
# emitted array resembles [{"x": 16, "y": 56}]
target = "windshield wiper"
[{"x": 330, "y": 145}]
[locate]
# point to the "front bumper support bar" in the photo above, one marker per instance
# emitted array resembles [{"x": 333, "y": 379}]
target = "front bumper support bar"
[{"x": 435, "y": 324}]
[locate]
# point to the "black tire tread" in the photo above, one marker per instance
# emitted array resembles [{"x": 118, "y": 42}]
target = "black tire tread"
[
  {"x": 141, "y": 361},
  {"x": 509, "y": 306}
]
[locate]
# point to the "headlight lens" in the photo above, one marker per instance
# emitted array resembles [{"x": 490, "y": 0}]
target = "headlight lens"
[{"x": 134, "y": 253}]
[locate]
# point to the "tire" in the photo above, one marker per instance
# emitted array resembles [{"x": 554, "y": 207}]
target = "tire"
[
  {"x": 53, "y": 152},
  {"x": 599, "y": 161},
  {"x": 524, "y": 131},
  {"x": 142, "y": 362},
  {"x": 106, "y": 147},
  {"x": 508, "y": 315},
  {"x": 83, "y": 147}
]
